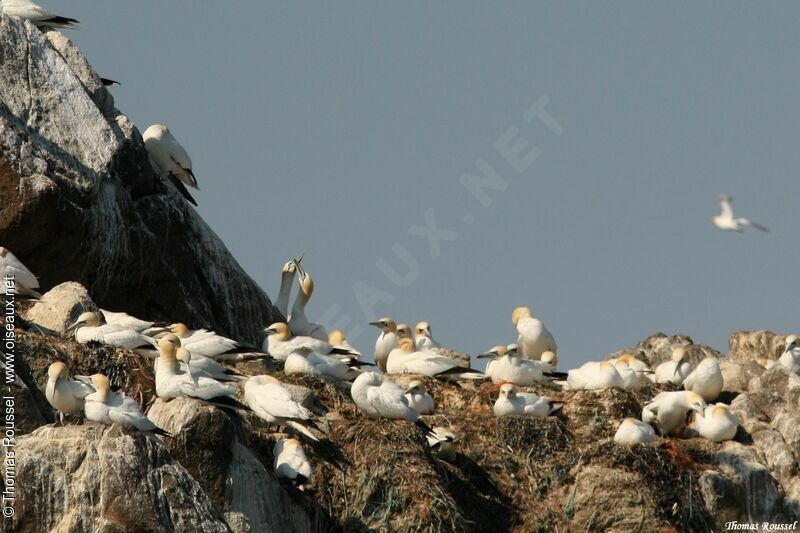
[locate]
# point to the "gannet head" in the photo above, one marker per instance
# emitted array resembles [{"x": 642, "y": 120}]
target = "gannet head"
[
  {"x": 695, "y": 402},
  {"x": 337, "y": 337},
  {"x": 385, "y": 324},
  {"x": 416, "y": 386},
  {"x": 57, "y": 370},
  {"x": 3, "y": 251},
  {"x": 719, "y": 411},
  {"x": 423, "y": 329},
  {"x": 507, "y": 390},
  {"x": 306, "y": 284},
  {"x": 549, "y": 358},
  {"x": 292, "y": 266},
  {"x": 101, "y": 383},
  {"x": 520, "y": 313},
  {"x": 166, "y": 349},
  {"x": 263, "y": 379},
  {"x": 444, "y": 434},
  {"x": 89, "y": 318},
  {"x": 791, "y": 342},
  {"x": 182, "y": 355},
  {"x": 725, "y": 198},
  {"x": 179, "y": 329},
  {"x": 678, "y": 354},
  {"x": 512, "y": 350},
  {"x": 403, "y": 331},
  {"x": 280, "y": 330},
  {"x": 407, "y": 345},
  {"x": 171, "y": 337},
  {"x": 497, "y": 351}
]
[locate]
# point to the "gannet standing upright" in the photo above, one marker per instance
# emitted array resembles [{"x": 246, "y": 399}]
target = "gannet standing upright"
[
  {"x": 25, "y": 282},
  {"x": 40, "y": 17},
  {"x": 291, "y": 462},
  {"x": 67, "y": 396},
  {"x": 387, "y": 340},
  {"x": 298, "y": 323},
  {"x": 706, "y": 380},
  {"x": 379, "y": 398},
  {"x": 668, "y": 410},
  {"x": 287, "y": 280},
  {"x": 791, "y": 356},
  {"x": 726, "y": 221},
  {"x": 170, "y": 159},
  {"x": 675, "y": 370},
  {"x": 632, "y": 431},
  {"x": 716, "y": 423},
  {"x": 534, "y": 338},
  {"x": 107, "y": 407}
]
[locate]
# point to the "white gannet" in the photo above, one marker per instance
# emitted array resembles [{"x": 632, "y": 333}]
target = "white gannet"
[
  {"x": 716, "y": 424},
  {"x": 632, "y": 431},
  {"x": 631, "y": 379},
  {"x": 126, "y": 321},
  {"x": 209, "y": 344},
  {"x": 791, "y": 356},
  {"x": 494, "y": 355},
  {"x": 298, "y": 322},
  {"x": 676, "y": 370},
  {"x": 270, "y": 401},
  {"x": 426, "y": 343},
  {"x": 668, "y": 410},
  {"x": 291, "y": 462},
  {"x": 406, "y": 360},
  {"x": 26, "y": 284},
  {"x": 404, "y": 332},
  {"x": 170, "y": 159},
  {"x": 512, "y": 368},
  {"x": 107, "y": 407},
  {"x": 626, "y": 360},
  {"x": 726, "y": 221},
  {"x": 338, "y": 340},
  {"x": 380, "y": 398},
  {"x": 287, "y": 280},
  {"x": 90, "y": 328},
  {"x": 511, "y": 402},
  {"x": 387, "y": 341},
  {"x": 594, "y": 376},
  {"x": 40, "y": 17},
  {"x": 706, "y": 380},
  {"x": 418, "y": 397},
  {"x": 314, "y": 364},
  {"x": 67, "y": 396},
  {"x": 549, "y": 361},
  {"x": 197, "y": 366},
  {"x": 534, "y": 338},
  {"x": 280, "y": 344},
  {"x": 443, "y": 443}
]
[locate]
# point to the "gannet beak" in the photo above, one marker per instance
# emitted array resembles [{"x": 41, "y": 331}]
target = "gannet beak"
[
  {"x": 410, "y": 389},
  {"x": 270, "y": 331},
  {"x": 487, "y": 355},
  {"x": 298, "y": 259},
  {"x": 677, "y": 366},
  {"x": 74, "y": 326},
  {"x": 189, "y": 371},
  {"x": 377, "y": 324}
]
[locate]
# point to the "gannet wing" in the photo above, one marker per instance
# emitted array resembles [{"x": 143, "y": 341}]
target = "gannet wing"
[
  {"x": 279, "y": 402},
  {"x": 748, "y": 222},
  {"x": 725, "y": 205}
]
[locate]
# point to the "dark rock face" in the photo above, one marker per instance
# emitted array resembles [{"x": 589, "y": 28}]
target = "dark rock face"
[{"x": 79, "y": 200}]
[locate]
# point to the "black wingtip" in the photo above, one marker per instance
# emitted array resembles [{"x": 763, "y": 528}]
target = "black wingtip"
[
  {"x": 182, "y": 189},
  {"x": 62, "y": 20},
  {"x": 163, "y": 433},
  {"x": 424, "y": 427},
  {"x": 109, "y": 82},
  {"x": 228, "y": 403},
  {"x": 556, "y": 375}
]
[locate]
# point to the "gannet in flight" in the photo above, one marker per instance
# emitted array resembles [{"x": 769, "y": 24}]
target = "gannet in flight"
[
  {"x": 40, "y": 17},
  {"x": 107, "y": 407},
  {"x": 291, "y": 462},
  {"x": 425, "y": 343},
  {"x": 270, "y": 400},
  {"x": 90, "y": 328},
  {"x": 418, "y": 397},
  {"x": 287, "y": 280},
  {"x": 511, "y": 402},
  {"x": 280, "y": 344},
  {"x": 443, "y": 443},
  {"x": 67, "y": 396},
  {"x": 298, "y": 322},
  {"x": 406, "y": 360},
  {"x": 404, "y": 331},
  {"x": 594, "y": 376},
  {"x": 380, "y": 398},
  {"x": 387, "y": 341},
  {"x": 632, "y": 431},
  {"x": 676, "y": 370},
  {"x": 791, "y": 356},
  {"x": 26, "y": 284},
  {"x": 726, "y": 221},
  {"x": 211, "y": 345},
  {"x": 512, "y": 368},
  {"x": 668, "y": 410},
  {"x": 706, "y": 380},
  {"x": 169, "y": 159},
  {"x": 534, "y": 338},
  {"x": 716, "y": 423},
  {"x": 338, "y": 340}
]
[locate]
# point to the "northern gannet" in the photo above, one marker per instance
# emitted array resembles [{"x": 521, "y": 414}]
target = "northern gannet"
[
  {"x": 726, "y": 221},
  {"x": 387, "y": 341},
  {"x": 270, "y": 400},
  {"x": 418, "y": 397},
  {"x": 107, "y": 407},
  {"x": 90, "y": 328},
  {"x": 67, "y": 396},
  {"x": 632, "y": 431},
  {"x": 40, "y": 17},
  {"x": 380, "y": 398},
  {"x": 426, "y": 343},
  {"x": 512, "y": 368},
  {"x": 443, "y": 443},
  {"x": 314, "y": 364},
  {"x": 668, "y": 410},
  {"x": 280, "y": 344},
  {"x": 406, "y": 360},
  {"x": 26, "y": 284},
  {"x": 791, "y": 356},
  {"x": 631, "y": 379},
  {"x": 197, "y": 366},
  {"x": 209, "y": 344},
  {"x": 291, "y": 462},
  {"x": 534, "y": 338},
  {"x": 338, "y": 340},
  {"x": 716, "y": 423},
  {"x": 594, "y": 376},
  {"x": 706, "y": 380},
  {"x": 549, "y": 361},
  {"x": 494, "y": 355},
  {"x": 511, "y": 402},
  {"x": 287, "y": 279},
  {"x": 126, "y": 321},
  {"x": 298, "y": 323},
  {"x": 170, "y": 159},
  {"x": 404, "y": 332},
  {"x": 676, "y": 370}
]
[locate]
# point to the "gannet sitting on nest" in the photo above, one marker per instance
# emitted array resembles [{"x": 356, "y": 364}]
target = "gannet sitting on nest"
[
  {"x": 512, "y": 368},
  {"x": 90, "y": 328},
  {"x": 338, "y": 339},
  {"x": 280, "y": 343},
  {"x": 511, "y": 402},
  {"x": 676, "y": 370},
  {"x": 790, "y": 358},
  {"x": 406, "y": 360},
  {"x": 706, "y": 380},
  {"x": 39, "y": 16},
  {"x": 594, "y": 376},
  {"x": 425, "y": 343},
  {"x": 209, "y": 344},
  {"x": 534, "y": 338},
  {"x": 716, "y": 424},
  {"x": 291, "y": 462},
  {"x": 668, "y": 410},
  {"x": 107, "y": 407},
  {"x": 380, "y": 398},
  {"x": 632, "y": 431},
  {"x": 270, "y": 401},
  {"x": 404, "y": 331},
  {"x": 67, "y": 396}
]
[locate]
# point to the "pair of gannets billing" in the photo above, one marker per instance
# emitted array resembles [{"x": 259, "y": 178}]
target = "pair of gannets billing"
[
  {"x": 726, "y": 221},
  {"x": 287, "y": 282},
  {"x": 511, "y": 402},
  {"x": 377, "y": 397},
  {"x": 405, "y": 359},
  {"x": 169, "y": 159},
  {"x": 290, "y": 462},
  {"x": 297, "y": 320},
  {"x": 675, "y": 370},
  {"x": 716, "y": 423},
  {"x": 39, "y": 16},
  {"x": 790, "y": 358},
  {"x": 91, "y": 327},
  {"x": 425, "y": 342},
  {"x": 507, "y": 365},
  {"x": 534, "y": 338},
  {"x": 272, "y": 402},
  {"x": 418, "y": 397},
  {"x": 668, "y": 410},
  {"x": 632, "y": 431},
  {"x": 444, "y": 443},
  {"x": 26, "y": 285},
  {"x": 706, "y": 380}
]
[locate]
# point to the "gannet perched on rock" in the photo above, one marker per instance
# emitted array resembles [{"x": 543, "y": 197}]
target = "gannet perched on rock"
[
  {"x": 406, "y": 360},
  {"x": 90, "y": 328},
  {"x": 716, "y": 423},
  {"x": 511, "y": 402},
  {"x": 280, "y": 344},
  {"x": 25, "y": 283},
  {"x": 107, "y": 407},
  {"x": 706, "y": 380},
  {"x": 298, "y": 323},
  {"x": 632, "y": 431},
  {"x": 443, "y": 443},
  {"x": 790, "y": 358},
  {"x": 676, "y": 370},
  {"x": 594, "y": 376},
  {"x": 209, "y": 344},
  {"x": 534, "y": 338},
  {"x": 726, "y": 221},
  {"x": 287, "y": 279},
  {"x": 404, "y": 332},
  {"x": 425, "y": 343},
  {"x": 170, "y": 159},
  {"x": 40, "y": 17},
  {"x": 291, "y": 462},
  {"x": 512, "y": 368},
  {"x": 270, "y": 400},
  {"x": 418, "y": 397},
  {"x": 387, "y": 341},
  {"x": 377, "y": 397},
  {"x": 668, "y": 410},
  {"x": 67, "y": 396}
]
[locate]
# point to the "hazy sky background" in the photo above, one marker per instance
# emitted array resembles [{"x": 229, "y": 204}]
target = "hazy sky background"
[{"x": 331, "y": 128}]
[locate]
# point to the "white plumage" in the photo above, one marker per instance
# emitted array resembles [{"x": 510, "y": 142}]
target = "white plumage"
[
  {"x": 270, "y": 401},
  {"x": 171, "y": 382},
  {"x": 406, "y": 360},
  {"x": 632, "y": 431},
  {"x": 534, "y": 338},
  {"x": 107, "y": 407},
  {"x": 594, "y": 376},
  {"x": 377, "y": 397},
  {"x": 790, "y": 359},
  {"x": 706, "y": 380},
  {"x": 418, "y": 398},
  {"x": 676, "y": 370},
  {"x": 290, "y": 461},
  {"x": 38, "y": 15},
  {"x": 387, "y": 341},
  {"x": 726, "y": 221},
  {"x": 512, "y": 368},
  {"x": 67, "y": 396},
  {"x": 668, "y": 410},
  {"x": 298, "y": 322},
  {"x": 511, "y": 402},
  {"x": 716, "y": 423},
  {"x": 26, "y": 284}
]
